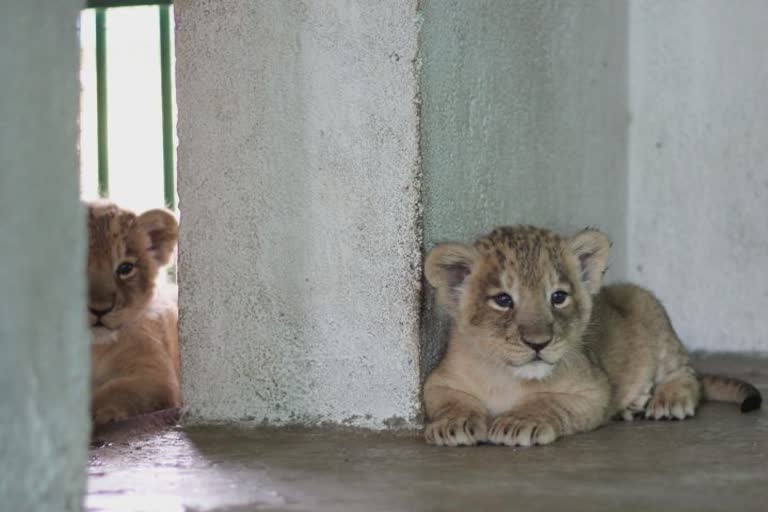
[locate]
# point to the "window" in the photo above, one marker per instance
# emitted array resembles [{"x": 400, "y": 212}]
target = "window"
[{"x": 127, "y": 135}]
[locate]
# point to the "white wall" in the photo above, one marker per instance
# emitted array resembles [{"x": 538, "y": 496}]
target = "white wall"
[
  {"x": 300, "y": 234},
  {"x": 44, "y": 419},
  {"x": 699, "y": 166}
]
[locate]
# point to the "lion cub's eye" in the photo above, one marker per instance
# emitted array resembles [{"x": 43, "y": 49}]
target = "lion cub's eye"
[
  {"x": 503, "y": 300},
  {"x": 558, "y": 298},
  {"x": 125, "y": 268}
]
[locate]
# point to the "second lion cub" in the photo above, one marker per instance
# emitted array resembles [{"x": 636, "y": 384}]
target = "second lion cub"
[
  {"x": 134, "y": 333},
  {"x": 539, "y": 349}
]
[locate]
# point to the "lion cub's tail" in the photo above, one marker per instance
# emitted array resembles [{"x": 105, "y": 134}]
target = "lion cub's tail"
[{"x": 727, "y": 389}]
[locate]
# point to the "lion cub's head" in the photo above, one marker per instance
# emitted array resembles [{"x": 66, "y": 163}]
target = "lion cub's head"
[
  {"x": 521, "y": 296},
  {"x": 125, "y": 252}
]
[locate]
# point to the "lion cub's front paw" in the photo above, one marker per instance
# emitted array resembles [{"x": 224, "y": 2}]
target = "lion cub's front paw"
[
  {"x": 514, "y": 431},
  {"x": 665, "y": 405},
  {"x": 458, "y": 431},
  {"x": 108, "y": 414}
]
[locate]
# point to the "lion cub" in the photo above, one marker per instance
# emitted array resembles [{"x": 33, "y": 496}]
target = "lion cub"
[
  {"x": 134, "y": 334},
  {"x": 540, "y": 350}
]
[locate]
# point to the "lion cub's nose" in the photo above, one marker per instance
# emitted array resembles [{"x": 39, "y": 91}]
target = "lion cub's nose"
[
  {"x": 100, "y": 312},
  {"x": 536, "y": 337},
  {"x": 538, "y": 344}
]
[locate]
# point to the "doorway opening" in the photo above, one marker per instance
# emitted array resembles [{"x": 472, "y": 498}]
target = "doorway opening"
[{"x": 128, "y": 140}]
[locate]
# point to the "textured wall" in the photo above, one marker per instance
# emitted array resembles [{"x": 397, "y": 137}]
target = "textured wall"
[
  {"x": 698, "y": 175},
  {"x": 298, "y": 186},
  {"x": 43, "y": 341},
  {"x": 524, "y": 120}
]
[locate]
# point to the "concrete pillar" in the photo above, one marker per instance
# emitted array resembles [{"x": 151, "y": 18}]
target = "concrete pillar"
[
  {"x": 299, "y": 197},
  {"x": 698, "y": 175},
  {"x": 44, "y": 420},
  {"x": 311, "y": 132}
]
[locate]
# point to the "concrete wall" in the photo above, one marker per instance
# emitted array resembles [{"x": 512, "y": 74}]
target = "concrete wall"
[
  {"x": 698, "y": 177},
  {"x": 524, "y": 120},
  {"x": 44, "y": 417},
  {"x": 298, "y": 186}
]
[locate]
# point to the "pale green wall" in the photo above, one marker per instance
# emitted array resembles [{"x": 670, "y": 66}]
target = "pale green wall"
[
  {"x": 523, "y": 120},
  {"x": 44, "y": 420}
]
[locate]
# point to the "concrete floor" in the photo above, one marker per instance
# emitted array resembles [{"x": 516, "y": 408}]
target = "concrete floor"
[{"x": 716, "y": 461}]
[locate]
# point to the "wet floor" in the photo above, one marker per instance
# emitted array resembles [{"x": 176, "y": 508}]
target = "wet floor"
[{"x": 715, "y": 461}]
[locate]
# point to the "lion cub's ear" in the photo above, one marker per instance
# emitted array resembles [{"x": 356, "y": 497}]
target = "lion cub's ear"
[
  {"x": 163, "y": 230},
  {"x": 592, "y": 248},
  {"x": 446, "y": 268}
]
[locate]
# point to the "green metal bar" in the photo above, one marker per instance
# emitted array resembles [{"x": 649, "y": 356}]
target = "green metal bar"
[
  {"x": 101, "y": 101},
  {"x": 124, "y": 3},
  {"x": 167, "y": 100}
]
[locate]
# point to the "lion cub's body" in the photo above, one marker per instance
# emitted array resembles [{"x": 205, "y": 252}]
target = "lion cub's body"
[
  {"x": 639, "y": 351},
  {"x": 138, "y": 370},
  {"x": 539, "y": 349},
  {"x": 135, "y": 346}
]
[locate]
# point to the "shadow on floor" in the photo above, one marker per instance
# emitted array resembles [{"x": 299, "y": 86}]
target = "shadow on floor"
[{"x": 715, "y": 461}]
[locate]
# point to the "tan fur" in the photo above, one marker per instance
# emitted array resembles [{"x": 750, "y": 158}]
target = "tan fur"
[
  {"x": 607, "y": 351},
  {"x": 135, "y": 347}
]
